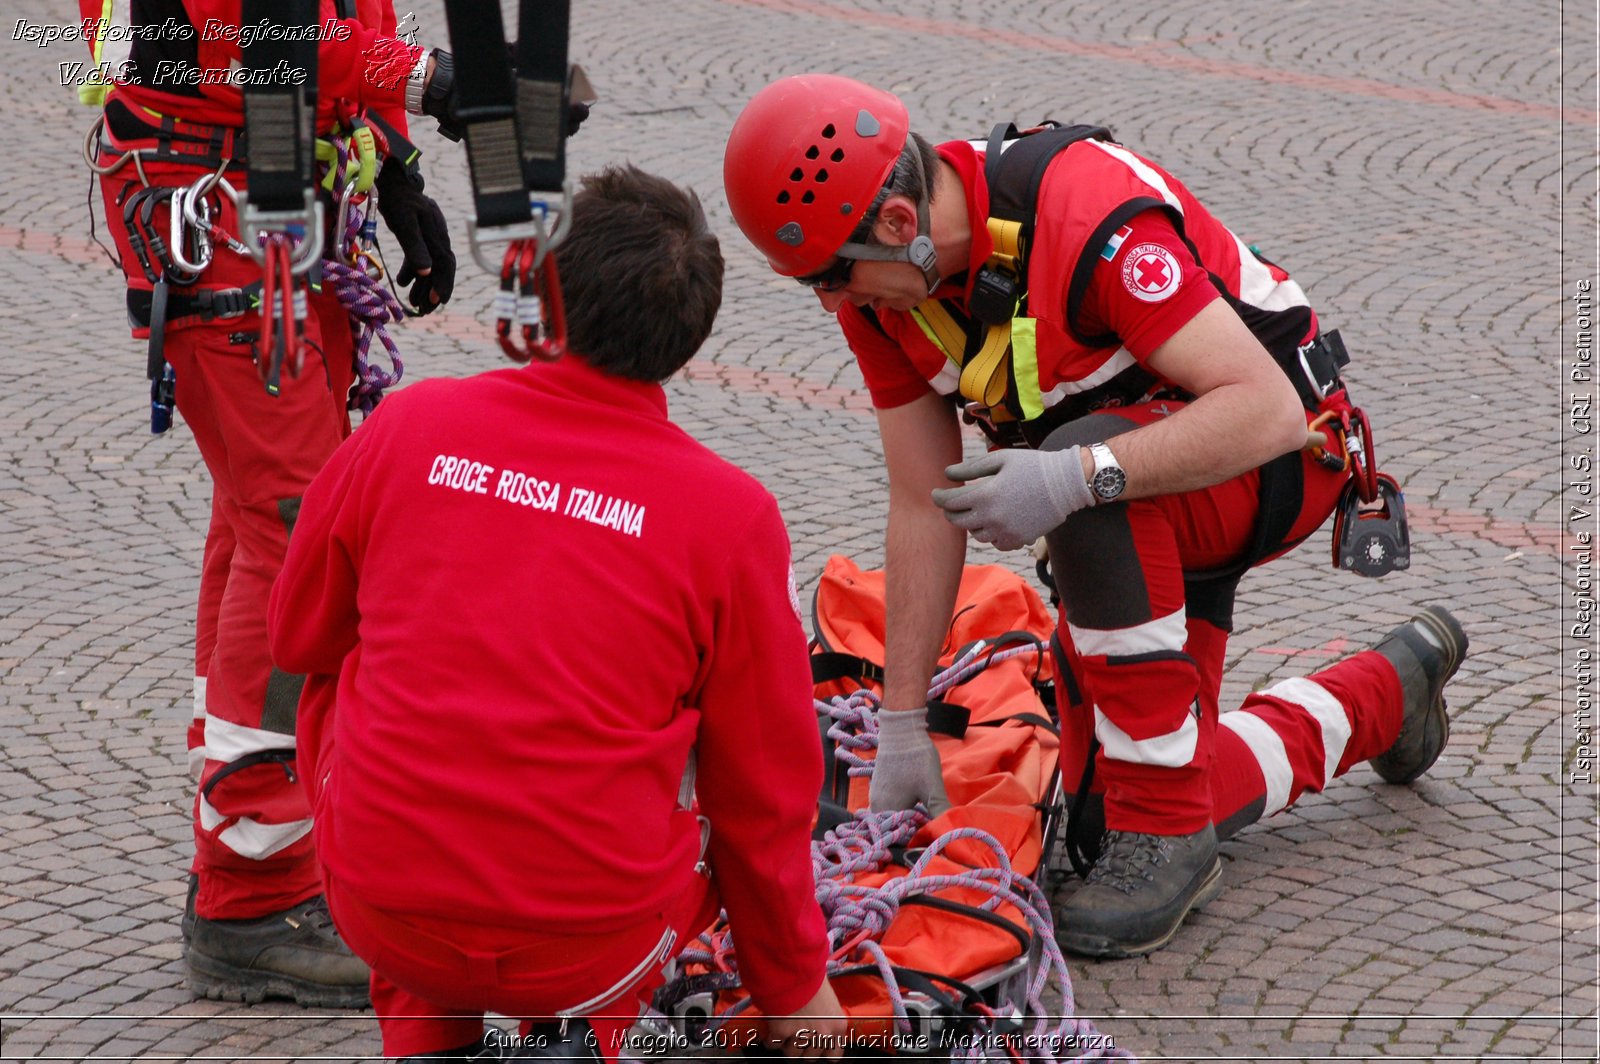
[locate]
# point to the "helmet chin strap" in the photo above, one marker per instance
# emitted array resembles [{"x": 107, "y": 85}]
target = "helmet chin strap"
[{"x": 920, "y": 252}]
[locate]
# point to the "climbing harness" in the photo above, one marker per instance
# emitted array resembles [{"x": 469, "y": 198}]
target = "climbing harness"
[
  {"x": 514, "y": 122},
  {"x": 284, "y": 221}
]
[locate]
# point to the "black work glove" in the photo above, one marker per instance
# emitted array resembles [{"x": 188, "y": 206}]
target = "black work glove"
[
  {"x": 439, "y": 98},
  {"x": 418, "y": 225}
]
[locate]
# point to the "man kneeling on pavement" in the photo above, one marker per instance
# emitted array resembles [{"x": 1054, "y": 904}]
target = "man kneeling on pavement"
[
  {"x": 1139, "y": 395},
  {"x": 559, "y": 702}
]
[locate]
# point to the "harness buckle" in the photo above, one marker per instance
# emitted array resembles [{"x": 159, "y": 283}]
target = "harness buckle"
[
  {"x": 225, "y": 303},
  {"x": 543, "y": 236},
  {"x": 994, "y": 295}
]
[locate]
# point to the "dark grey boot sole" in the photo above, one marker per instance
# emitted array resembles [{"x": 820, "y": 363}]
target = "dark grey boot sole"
[{"x": 219, "y": 981}]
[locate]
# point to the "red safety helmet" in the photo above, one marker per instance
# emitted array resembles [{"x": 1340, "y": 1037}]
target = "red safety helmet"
[{"x": 806, "y": 159}]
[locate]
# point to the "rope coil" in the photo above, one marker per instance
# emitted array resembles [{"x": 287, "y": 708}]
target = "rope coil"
[{"x": 858, "y": 915}]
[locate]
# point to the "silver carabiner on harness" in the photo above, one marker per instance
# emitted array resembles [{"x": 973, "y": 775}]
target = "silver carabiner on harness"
[
  {"x": 545, "y": 237},
  {"x": 303, "y": 226}
]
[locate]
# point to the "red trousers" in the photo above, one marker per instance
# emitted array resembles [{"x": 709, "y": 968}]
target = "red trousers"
[
  {"x": 434, "y": 978},
  {"x": 252, "y": 821},
  {"x": 1144, "y": 656}
]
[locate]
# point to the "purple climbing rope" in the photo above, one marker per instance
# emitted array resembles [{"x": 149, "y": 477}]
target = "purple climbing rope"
[
  {"x": 358, "y": 283},
  {"x": 858, "y": 915}
]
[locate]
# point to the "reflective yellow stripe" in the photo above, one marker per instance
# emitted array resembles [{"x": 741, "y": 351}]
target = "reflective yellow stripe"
[
  {"x": 1025, "y": 363},
  {"x": 94, "y": 91}
]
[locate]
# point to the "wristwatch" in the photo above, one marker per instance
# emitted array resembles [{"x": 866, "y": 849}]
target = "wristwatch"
[{"x": 1108, "y": 479}]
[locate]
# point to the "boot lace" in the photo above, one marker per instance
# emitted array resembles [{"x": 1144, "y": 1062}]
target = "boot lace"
[
  {"x": 1128, "y": 859},
  {"x": 314, "y": 914}
]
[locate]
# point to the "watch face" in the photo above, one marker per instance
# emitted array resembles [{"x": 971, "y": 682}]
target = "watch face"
[{"x": 1108, "y": 483}]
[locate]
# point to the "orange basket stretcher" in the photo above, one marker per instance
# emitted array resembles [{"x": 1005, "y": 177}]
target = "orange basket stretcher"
[{"x": 944, "y": 947}]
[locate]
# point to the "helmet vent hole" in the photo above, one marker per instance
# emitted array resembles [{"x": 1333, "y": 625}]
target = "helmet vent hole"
[
  {"x": 797, "y": 174},
  {"x": 812, "y": 152},
  {"x": 808, "y": 197},
  {"x": 838, "y": 155},
  {"x": 783, "y": 197},
  {"x": 822, "y": 175},
  {"x": 828, "y": 131}
]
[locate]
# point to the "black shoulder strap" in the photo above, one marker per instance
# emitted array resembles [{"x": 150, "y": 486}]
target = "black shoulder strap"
[{"x": 1015, "y": 173}]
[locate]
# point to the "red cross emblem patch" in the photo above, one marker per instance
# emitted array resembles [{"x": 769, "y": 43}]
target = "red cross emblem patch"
[{"x": 1151, "y": 272}]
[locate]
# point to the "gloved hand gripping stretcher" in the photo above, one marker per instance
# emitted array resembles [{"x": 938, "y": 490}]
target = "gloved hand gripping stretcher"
[{"x": 943, "y": 944}]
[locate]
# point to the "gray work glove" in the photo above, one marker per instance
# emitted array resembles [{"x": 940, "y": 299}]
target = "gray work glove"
[
  {"x": 907, "y": 767},
  {"x": 1012, "y": 497}
]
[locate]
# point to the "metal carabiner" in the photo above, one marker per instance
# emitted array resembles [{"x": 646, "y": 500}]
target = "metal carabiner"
[
  {"x": 200, "y": 216},
  {"x": 303, "y": 226},
  {"x": 535, "y": 229},
  {"x": 179, "y": 211},
  {"x": 344, "y": 249}
]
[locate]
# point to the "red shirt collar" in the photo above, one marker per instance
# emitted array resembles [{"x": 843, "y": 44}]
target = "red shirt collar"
[
  {"x": 573, "y": 375},
  {"x": 969, "y": 167}
]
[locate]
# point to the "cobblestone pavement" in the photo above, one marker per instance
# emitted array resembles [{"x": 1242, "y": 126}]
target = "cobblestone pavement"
[{"x": 1417, "y": 166}]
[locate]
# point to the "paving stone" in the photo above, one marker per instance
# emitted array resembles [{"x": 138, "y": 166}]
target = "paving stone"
[{"x": 1410, "y": 163}]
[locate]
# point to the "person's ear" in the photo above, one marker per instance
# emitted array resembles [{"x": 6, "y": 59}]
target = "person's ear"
[{"x": 897, "y": 222}]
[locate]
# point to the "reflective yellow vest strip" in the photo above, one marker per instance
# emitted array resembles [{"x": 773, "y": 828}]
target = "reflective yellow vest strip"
[
  {"x": 96, "y": 88},
  {"x": 1025, "y": 366}
]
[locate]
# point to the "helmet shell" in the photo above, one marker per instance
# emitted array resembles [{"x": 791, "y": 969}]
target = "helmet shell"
[{"x": 806, "y": 158}]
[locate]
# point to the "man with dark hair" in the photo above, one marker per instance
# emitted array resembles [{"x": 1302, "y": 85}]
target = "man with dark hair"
[
  {"x": 558, "y": 678},
  {"x": 1149, "y": 383}
]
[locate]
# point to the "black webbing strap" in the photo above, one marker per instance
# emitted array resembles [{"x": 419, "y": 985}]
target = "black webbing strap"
[
  {"x": 486, "y": 108},
  {"x": 972, "y": 912},
  {"x": 834, "y": 665},
  {"x": 280, "y": 103},
  {"x": 541, "y": 92}
]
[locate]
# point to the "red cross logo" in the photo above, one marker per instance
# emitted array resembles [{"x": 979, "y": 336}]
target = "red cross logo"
[{"x": 1151, "y": 272}]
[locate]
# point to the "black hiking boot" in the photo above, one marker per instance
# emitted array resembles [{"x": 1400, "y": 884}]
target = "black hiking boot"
[
  {"x": 1426, "y": 651},
  {"x": 1138, "y": 893},
  {"x": 188, "y": 919},
  {"x": 574, "y": 1040},
  {"x": 294, "y": 954}
]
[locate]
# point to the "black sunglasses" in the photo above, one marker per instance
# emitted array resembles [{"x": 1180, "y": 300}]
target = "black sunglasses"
[{"x": 832, "y": 279}]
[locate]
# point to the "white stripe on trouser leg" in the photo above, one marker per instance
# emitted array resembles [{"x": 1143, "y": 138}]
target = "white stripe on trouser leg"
[
  {"x": 197, "y": 755},
  {"x": 228, "y": 742},
  {"x": 1164, "y": 633},
  {"x": 251, "y": 838},
  {"x": 1172, "y": 750},
  {"x": 1268, "y": 750},
  {"x": 1328, "y": 712}
]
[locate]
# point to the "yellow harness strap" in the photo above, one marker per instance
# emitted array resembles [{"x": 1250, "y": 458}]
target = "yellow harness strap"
[{"x": 985, "y": 378}]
